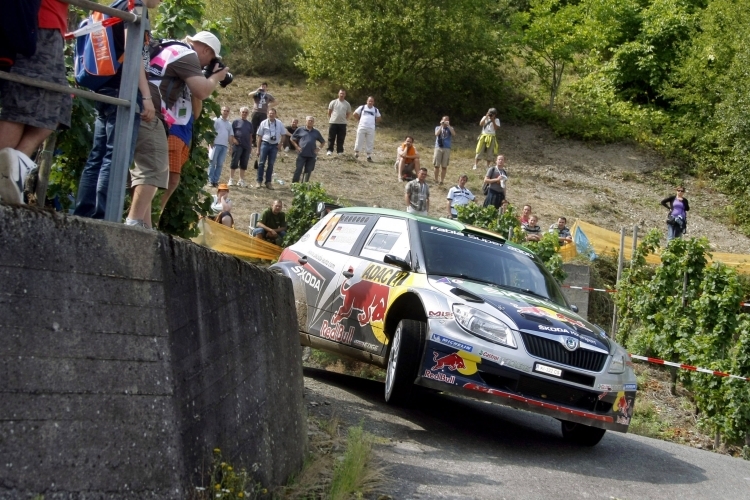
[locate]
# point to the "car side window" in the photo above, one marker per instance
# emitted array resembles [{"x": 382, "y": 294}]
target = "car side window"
[
  {"x": 388, "y": 236},
  {"x": 342, "y": 232}
]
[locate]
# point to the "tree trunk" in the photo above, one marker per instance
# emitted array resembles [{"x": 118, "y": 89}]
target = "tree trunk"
[
  {"x": 717, "y": 440},
  {"x": 673, "y": 381}
]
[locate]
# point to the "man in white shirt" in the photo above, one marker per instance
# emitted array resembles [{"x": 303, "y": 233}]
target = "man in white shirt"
[
  {"x": 223, "y": 128},
  {"x": 270, "y": 133},
  {"x": 368, "y": 115},
  {"x": 417, "y": 194},
  {"x": 339, "y": 111},
  {"x": 458, "y": 195}
]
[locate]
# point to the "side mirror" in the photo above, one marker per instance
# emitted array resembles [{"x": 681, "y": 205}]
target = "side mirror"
[
  {"x": 397, "y": 261},
  {"x": 574, "y": 308}
]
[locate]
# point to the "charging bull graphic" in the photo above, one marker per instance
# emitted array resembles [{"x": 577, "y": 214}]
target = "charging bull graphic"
[
  {"x": 463, "y": 362},
  {"x": 367, "y": 297}
]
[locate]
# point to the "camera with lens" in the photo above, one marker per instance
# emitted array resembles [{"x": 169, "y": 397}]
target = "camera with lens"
[
  {"x": 214, "y": 67},
  {"x": 273, "y": 138}
]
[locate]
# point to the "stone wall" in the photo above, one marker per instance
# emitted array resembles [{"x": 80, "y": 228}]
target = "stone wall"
[{"x": 126, "y": 356}]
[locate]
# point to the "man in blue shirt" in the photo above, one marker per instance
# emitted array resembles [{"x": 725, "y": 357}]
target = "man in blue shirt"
[
  {"x": 305, "y": 140},
  {"x": 443, "y": 135}
]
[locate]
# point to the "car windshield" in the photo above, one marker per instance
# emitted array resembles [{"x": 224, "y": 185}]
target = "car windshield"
[{"x": 480, "y": 258}]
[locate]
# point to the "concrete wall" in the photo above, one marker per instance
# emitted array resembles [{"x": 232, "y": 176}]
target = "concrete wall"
[
  {"x": 578, "y": 275},
  {"x": 126, "y": 356}
]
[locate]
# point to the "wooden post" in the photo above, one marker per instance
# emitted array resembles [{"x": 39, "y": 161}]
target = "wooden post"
[
  {"x": 620, "y": 262},
  {"x": 635, "y": 245},
  {"x": 45, "y": 166}
]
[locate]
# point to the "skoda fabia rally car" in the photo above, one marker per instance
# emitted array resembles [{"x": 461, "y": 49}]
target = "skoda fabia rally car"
[{"x": 457, "y": 309}]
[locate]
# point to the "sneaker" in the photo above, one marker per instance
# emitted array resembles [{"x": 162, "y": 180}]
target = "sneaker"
[
  {"x": 269, "y": 185},
  {"x": 356, "y": 155},
  {"x": 258, "y": 185},
  {"x": 328, "y": 153},
  {"x": 339, "y": 154},
  {"x": 231, "y": 182},
  {"x": 241, "y": 183},
  {"x": 135, "y": 222},
  {"x": 214, "y": 184},
  {"x": 369, "y": 159},
  {"x": 14, "y": 169},
  {"x": 474, "y": 167}
]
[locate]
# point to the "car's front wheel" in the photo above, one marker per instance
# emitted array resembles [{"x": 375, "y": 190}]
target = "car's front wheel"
[
  {"x": 580, "y": 434},
  {"x": 403, "y": 360}
]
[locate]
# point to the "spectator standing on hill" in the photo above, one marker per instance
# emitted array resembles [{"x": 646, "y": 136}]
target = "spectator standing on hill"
[
  {"x": 443, "y": 135},
  {"x": 305, "y": 141},
  {"x": 562, "y": 231},
  {"x": 496, "y": 177},
  {"x": 368, "y": 115},
  {"x": 261, "y": 99},
  {"x": 458, "y": 195},
  {"x": 29, "y": 114},
  {"x": 487, "y": 147},
  {"x": 242, "y": 146},
  {"x": 339, "y": 111},
  {"x": 678, "y": 207},
  {"x": 175, "y": 77},
  {"x": 532, "y": 230},
  {"x": 286, "y": 140},
  {"x": 417, "y": 194},
  {"x": 224, "y": 130},
  {"x": 270, "y": 132},
  {"x": 91, "y": 200},
  {"x": 407, "y": 161},
  {"x": 272, "y": 224}
]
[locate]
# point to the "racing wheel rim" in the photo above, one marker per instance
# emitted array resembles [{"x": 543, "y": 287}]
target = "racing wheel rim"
[{"x": 392, "y": 361}]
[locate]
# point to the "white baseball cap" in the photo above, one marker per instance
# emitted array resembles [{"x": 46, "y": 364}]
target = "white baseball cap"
[{"x": 209, "y": 39}]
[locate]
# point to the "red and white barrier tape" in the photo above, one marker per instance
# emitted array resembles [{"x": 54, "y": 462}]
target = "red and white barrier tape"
[
  {"x": 688, "y": 367},
  {"x": 93, "y": 27},
  {"x": 588, "y": 289}
]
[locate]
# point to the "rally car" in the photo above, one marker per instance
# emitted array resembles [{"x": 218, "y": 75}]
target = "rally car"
[{"x": 457, "y": 309}]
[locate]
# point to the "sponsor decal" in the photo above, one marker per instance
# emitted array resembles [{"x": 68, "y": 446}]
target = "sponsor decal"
[
  {"x": 440, "y": 314},
  {"x": 445, "y": 281},
  {"x": 603, "y": 395},
  {"x": 630, "y": 387},
  {"x": 385, "y": 275},
  {"x": 366, "y": 345},
  {"x": 555, "y": 329},
  {"x": 624, "y": 405},
  {"x": 623, "y": 420},
  {"x": 307, "y": 277},
  {"x": 304, "y": 238},
  {"x": 367, "y": 297},
  {"x": 461, "y": 361},
  {"x": 440, "y": 377},
  {"x": 518, "y": 250},
  {"x": 322, "y": 260},
  {"x": 516, "y": 365},
  {"x": 450, "y": 342},
  {"x": 336, "y": 332},
  {"x": 586, "y": 339},
  {"x": 605, "y": 387},
  {"x": 489, "y": 355},
  {"x": 542, "y": 312}
]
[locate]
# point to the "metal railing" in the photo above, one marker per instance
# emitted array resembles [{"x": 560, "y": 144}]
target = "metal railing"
[{"x": 126, "y": 108}]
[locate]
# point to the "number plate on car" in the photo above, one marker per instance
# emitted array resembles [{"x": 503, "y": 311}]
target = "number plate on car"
[{"x": 548, "y": 370}]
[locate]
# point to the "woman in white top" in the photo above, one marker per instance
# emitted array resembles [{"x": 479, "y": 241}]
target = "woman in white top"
[{"x": 487, "y": 146}]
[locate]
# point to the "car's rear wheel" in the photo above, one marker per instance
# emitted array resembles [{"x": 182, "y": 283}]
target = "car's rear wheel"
[
  {"x": 403, "y": 360},
  {"x": 580, "y": 434}
]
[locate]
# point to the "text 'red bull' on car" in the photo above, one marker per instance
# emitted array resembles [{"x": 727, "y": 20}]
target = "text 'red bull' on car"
[{"x": 457, "y": 309}]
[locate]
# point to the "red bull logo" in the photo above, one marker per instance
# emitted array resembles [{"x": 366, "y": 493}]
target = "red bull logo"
[
  {"x": 452, "y": 361},
  {"x": 543, "y": 311},
  {"x": 440, "y": 377},
  {"x": 336, "y": 333},
  {"x": 367, "y": 297}
]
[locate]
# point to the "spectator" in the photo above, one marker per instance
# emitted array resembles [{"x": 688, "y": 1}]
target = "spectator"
[
  {"x": 18, "y": 31},
  {"x": 417, "y": 194},
  {"x": 487, "y": 147},
  {"x": 458, "y": 195},
  {"x": 178, "y": 146},
  {"x": 224, "y": 131},
  {"x": 525, "y": 214},
  {"x": 407, "y": 161},
  {"x": 563, "y": 233},
  {"x": 678, "y": 207},
  {"x": 504, "y": 205},
  {"x": 242, "y": 147},
  {"x": 222, "y": 206},
  {"x": 532, "y": 230},
  {"x": 305, "y": 141},
  {"x": 272, "y": 224},
  {"x": 175, "y": 78},
  {"x": 270, "y": 132},
  {"x": 261, "y": 100},
  {"x": 29, "y": 114},
  {"x": 94, "y": 183},
  {"x": 443, "y": 135},
  {"x": 286, "y": 140},
  {"x": 496, "y": 178},
  {"x": 339, "y": 111},
  {"x": 368, "y": 115}
]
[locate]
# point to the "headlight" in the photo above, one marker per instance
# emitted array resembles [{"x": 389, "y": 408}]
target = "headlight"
[
  {"x": 617, "y": 365},
  {"x": 483, "y": 325}
]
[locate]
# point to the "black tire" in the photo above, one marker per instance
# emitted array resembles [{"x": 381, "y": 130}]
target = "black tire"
[
  {"x": 403, "y": 361},
  {"x": 580, "y": 434}
]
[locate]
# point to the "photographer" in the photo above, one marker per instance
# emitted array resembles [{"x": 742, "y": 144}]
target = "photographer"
[
  {"x": 443, "y": 135},
  {"x": 177, "y": 84},
  {"x": 487, "y": 147},
  {"x": 261, "y": 100}
]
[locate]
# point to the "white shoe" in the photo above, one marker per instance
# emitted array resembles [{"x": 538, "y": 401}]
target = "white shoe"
[
  {"x": 241, "y": 183},
  {"x": 231, "y": 182},
  {"x": 286, "y": 149},
  {"x": 14, "y": 168},
  {"x": 135, "y": 222},
  {"x": 328, "y": 153},
  {"x": 474, "y": 167}
]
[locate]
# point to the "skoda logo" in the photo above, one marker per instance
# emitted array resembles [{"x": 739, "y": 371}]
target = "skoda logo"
[{"x": 571, "y": 343}]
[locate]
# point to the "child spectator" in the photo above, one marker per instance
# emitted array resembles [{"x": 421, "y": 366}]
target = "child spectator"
[{"x": 532, "y": 230}]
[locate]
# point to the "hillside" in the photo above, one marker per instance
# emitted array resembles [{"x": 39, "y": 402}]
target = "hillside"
[{"x": 610, "y": 185}]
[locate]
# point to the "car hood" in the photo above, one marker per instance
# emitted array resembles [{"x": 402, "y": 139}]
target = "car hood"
[{"x": 528, "y": 312}]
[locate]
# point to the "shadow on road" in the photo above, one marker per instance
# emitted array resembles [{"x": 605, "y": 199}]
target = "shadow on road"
[{"x": 448, "y": 427}]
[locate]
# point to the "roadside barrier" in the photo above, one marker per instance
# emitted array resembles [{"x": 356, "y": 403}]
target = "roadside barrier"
[
  {"x": 688, "y": 367},
  {"x": 587, "y": 289}
]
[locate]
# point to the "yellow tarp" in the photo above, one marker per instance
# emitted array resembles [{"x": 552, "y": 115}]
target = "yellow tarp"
[
  {"x": 224, "y": 239},
  {"x": 603, "y": 241}
]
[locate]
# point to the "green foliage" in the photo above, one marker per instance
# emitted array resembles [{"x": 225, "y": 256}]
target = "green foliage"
[
  {"x": 302, "y": 215},
  {"x": 178, "y": 19},
  {"x": 349, "y": 474},
  {"x": 229, "y": 484},
  {"x": 413, "y": 55}
]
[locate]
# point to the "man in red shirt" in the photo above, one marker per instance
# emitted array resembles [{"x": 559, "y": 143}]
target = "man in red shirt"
[{"x": 29, "y": 114}]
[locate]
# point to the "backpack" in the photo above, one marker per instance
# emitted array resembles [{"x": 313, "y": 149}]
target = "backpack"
[
  {"x": 486, "y": 185},
  {"x": 96, "y": 57},
  {"x": 163, "y": 52}
]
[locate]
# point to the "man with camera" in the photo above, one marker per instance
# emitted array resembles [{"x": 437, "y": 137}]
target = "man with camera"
[
  {"x": 177, "y": 84},
  {"x": 270, "y": 132},
  {"x": 443, "y": 136},
  {"x": 487, "y": 147},
  {"x": 261, "y": 100}
]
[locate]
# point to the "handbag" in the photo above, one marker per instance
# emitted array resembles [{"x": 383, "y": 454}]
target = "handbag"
[{"x": 670, "y": 220}]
